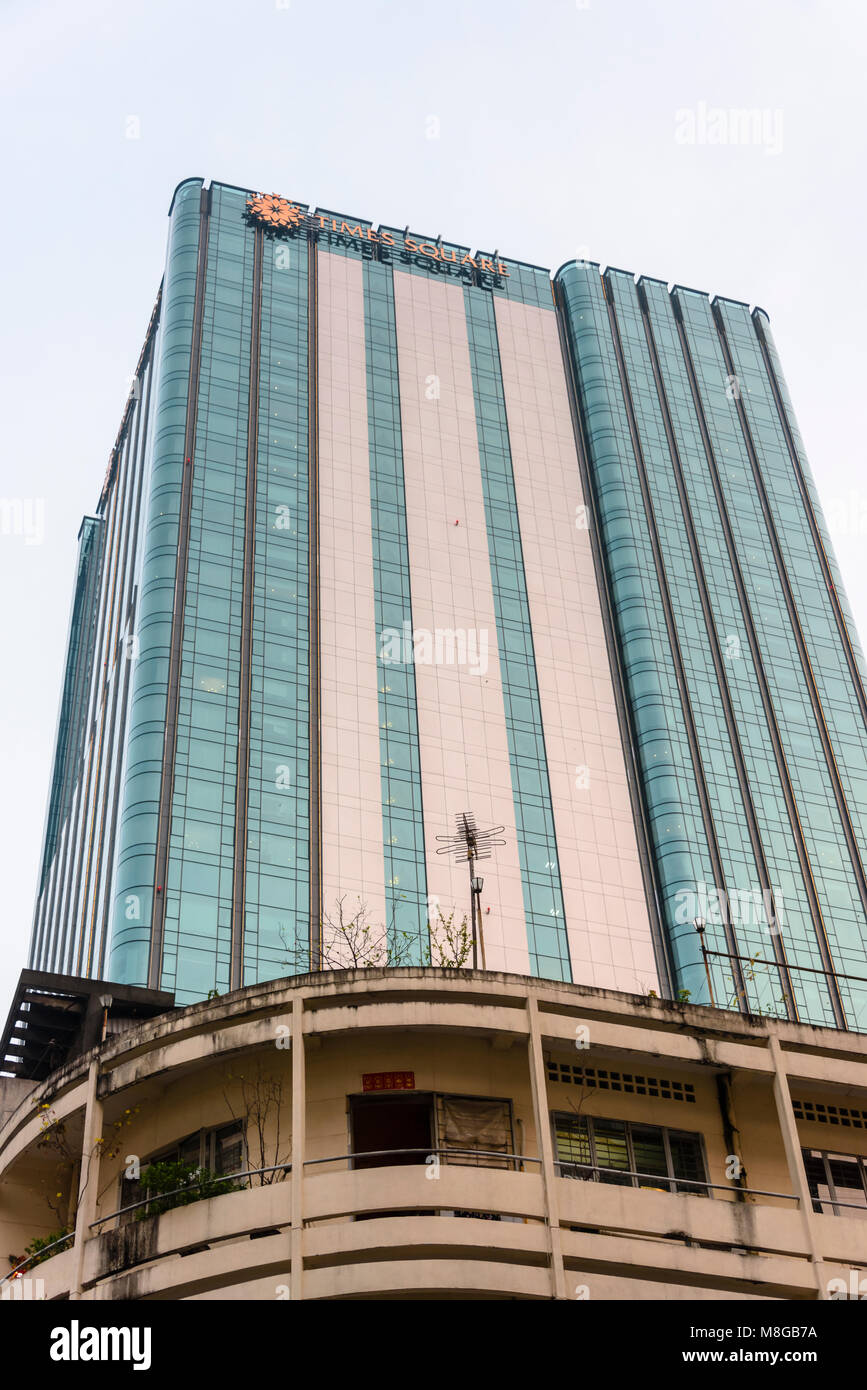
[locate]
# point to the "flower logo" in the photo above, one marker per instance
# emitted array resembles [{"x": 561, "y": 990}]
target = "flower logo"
[{"x": 274, "y": 214}]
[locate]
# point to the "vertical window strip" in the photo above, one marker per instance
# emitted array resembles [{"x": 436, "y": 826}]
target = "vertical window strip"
[
  {"x": 831, "y": 658},
  {"x": 668, "y": 777},
  {"x": 79, "y": 664},
  {"x": 815, "y": 816},
  {"x": 126, "y": 638},
  {"x": 199, "y": 875},
  {"x": 534, "y": 815},
  {"x": 277, "y": 887},
  {"x": 743, "y": 870},
  {"x": 136, "y": 926},
  {"x": 114, "y": 698},
  {"x": 402, "y": 815},
  {"x": 48, "y": 929},
  {"x": 734, "y": 627}
]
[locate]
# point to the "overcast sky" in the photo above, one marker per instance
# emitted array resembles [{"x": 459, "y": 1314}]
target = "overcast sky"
[{"x": 547, "y": 129}]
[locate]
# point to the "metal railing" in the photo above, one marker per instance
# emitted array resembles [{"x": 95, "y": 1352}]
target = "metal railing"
[
  {"x": 31, "y": 1261},
  {"x": 192, "y": 1187},
  {"x": 509, "y": 1159},
  {"x": 287, "y": 1168},
  {"x": 680, "y": 1186},
  {"x": 585, "y": 1172}
]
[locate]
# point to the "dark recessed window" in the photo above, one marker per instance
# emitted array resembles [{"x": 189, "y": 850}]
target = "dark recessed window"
[{"x": 629, "y": 1154}]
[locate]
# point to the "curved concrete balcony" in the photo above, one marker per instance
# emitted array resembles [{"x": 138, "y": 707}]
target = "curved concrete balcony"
[
  {"x": 481, "y": 1225},
  {"x": 243, "y": 1239}
]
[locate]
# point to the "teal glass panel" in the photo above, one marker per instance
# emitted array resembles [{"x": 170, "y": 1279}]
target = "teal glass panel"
[
  {"x": 741, "y": 897},
  {"x": 277, "y": 887},
  {"x": 199, "y": 878},
  {"x": 730, "y": 631},
  {"x": 668, "y": 776},
  {"x": 402, "y": 818},
  {"x": 831, "y": 868},
  {"x": 534, "y": 815},
  {"x": 134, "y": 881},
  {"x": 76, "y": 684}
]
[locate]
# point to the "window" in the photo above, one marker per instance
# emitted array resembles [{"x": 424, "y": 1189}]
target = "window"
[
  {"x": 837, "y": 1182},
  {"x": 391, "y": 1129},
  {"x": 628, "y": 1154},
  {"x": 221, "y": 1150},
  {"x": 468, "y": 1123},
  {"x": 630, "y": 1083},
  {"x": 419, "y": 1123},
  {"x": 829, "y": 1114}
]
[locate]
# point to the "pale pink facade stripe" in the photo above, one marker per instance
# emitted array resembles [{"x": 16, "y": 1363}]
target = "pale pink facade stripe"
[
  {"x": 353, "y": 863},
  {"x": 462, "y": 729},
  {"x": 605, "y": 907}
]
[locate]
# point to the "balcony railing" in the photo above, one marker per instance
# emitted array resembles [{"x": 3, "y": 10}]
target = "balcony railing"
[
  {"x": 482, "y": 1158},
  {"x": 474, "y": 1157},
  {"x": 33, "y": 1260},
  {"x": 630, "y": 1177}
]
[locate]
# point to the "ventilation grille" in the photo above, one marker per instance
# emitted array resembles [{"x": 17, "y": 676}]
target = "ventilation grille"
[
  {"x": 629, "y": 1082},
  {"x": 829, "y": 1114}
]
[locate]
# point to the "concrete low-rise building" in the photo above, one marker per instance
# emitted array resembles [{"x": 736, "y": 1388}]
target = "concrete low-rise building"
[{"x": 427, "y": 1133}]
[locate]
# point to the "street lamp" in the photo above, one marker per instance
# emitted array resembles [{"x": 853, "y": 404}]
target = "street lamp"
[{"x": 701, "y": 926}]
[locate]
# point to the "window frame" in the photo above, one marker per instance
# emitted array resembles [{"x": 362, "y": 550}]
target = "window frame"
[
  {"x": 172, "y": 1152},
  {"x": 839, "y": 1206},
  {"x": 509, "y": 1159},
  {"x": 589, "y": 1172}
]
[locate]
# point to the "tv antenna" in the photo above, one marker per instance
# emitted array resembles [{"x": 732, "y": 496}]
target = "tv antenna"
[{"x": 471, "y": 844}]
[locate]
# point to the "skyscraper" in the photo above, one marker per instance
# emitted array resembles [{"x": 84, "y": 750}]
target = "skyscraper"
[
  {"x": 403, "y": 550},
  {"x": 393, "y": 530}
]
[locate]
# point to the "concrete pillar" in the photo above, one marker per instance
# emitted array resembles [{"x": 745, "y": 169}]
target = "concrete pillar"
[
  {"x": 88, "y": 1179},
  {"x": 299, "y": 1148},
  {"x": 792, "y": 1144},
  {"x": 539, "y": 1089}
]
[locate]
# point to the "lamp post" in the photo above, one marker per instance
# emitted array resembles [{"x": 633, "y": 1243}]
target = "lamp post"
[
  {"x": 700, "y": 926},
  {"x": 476, "y": 886}
]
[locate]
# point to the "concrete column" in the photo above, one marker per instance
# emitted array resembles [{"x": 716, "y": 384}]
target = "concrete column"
[
  {"x": 792, "y": 1144},
  {"x": 88, "y": 1179},
  {"x": 539, "y": 1090},
  {"x": 299, "y": 1148}
]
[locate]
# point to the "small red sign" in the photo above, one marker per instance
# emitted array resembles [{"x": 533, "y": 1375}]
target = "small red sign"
[{"x": 388, "y": 1081}]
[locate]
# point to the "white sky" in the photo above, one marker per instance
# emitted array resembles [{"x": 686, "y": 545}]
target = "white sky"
[{"x": 543, "y": 129}]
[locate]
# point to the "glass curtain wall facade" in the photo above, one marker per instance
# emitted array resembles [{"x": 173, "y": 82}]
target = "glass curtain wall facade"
[
  {"x": 744, "y": 677},
  {"x": 74, "y": 895},
  {"x": 392, "y": 531}
]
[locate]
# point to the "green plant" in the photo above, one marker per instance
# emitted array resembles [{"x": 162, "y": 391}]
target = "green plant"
[
  {"x": 36, "y": 1250},
  {"x": 181, "y": 1184}
]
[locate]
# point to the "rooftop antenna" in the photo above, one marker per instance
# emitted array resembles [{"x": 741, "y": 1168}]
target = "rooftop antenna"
[{"x": 471, "y": 844}]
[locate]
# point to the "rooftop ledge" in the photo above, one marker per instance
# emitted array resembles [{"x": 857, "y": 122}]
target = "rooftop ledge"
[{"x": 376, "y": 986}]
